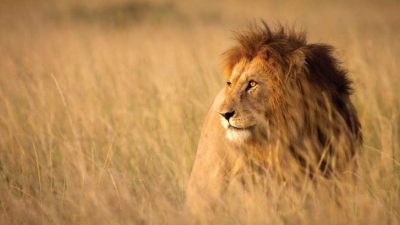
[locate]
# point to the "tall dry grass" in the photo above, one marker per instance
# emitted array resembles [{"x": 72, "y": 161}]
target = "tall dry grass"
[{"x": 101, "y": 105}]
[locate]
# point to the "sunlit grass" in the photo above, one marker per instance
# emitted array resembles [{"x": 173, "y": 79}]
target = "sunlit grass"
[{"x": 99, "y": 123}]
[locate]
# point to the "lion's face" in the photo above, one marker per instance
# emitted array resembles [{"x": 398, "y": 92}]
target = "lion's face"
[{"x": 244, "y": 108}]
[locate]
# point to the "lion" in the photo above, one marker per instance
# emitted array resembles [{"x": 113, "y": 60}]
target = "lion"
[{"x": 285, "y": 113}]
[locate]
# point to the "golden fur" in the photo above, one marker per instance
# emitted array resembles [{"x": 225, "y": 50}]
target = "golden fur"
[{"x": 285, "y": 113}]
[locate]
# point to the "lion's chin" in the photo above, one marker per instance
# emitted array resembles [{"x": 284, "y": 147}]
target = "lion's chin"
[
  {"x": 234, "y": 134},
  {"x": 238, "y": 136}
]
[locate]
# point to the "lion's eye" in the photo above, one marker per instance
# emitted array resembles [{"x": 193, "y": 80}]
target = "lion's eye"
[
  {"x": 252, "y": 84},
  {"x": 229, "y": 84}
]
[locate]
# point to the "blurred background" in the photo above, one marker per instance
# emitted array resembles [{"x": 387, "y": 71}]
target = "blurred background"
[{"x": 101, "y": 103}]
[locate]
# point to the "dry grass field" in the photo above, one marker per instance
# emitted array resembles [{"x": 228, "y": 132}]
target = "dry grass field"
[{"x": 101, "y": 104}]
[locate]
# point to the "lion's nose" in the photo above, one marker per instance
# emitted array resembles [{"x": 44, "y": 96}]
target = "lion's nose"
[{"x": 227, "y": 115}]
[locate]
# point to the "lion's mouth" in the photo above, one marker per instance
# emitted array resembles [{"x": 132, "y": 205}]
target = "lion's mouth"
[{"x": 230, "y": 126}]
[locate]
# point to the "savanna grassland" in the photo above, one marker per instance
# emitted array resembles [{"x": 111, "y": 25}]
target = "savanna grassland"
[{"x": 101, "y": 104}]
